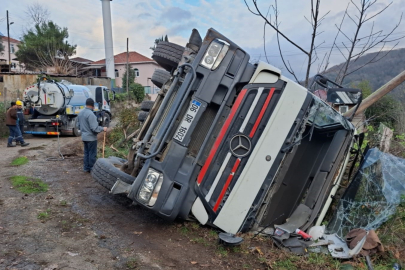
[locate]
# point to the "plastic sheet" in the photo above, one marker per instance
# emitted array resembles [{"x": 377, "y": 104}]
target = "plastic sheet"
[{"x": 372, "y": 196}]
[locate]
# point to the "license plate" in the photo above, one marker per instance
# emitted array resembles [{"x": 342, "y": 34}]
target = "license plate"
[{"x": 187, "y": 120}]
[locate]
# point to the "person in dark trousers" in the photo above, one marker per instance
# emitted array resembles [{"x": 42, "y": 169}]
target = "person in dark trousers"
[
  {"x": 89, "y": 128},
  {"x": 11, "y": 122},
  {"x": 20, "y": 118}
]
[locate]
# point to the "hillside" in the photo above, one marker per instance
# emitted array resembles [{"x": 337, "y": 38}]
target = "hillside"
[{"x": 377, "y": 73}]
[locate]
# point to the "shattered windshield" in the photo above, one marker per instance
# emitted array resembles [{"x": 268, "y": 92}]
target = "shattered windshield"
[
  {"x": 323, "y": 115},
  {"x": 372, "y": 196}
]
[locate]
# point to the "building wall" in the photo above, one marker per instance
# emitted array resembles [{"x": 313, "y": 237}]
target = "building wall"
[
  {"x": 14, "y": 49},
  {"x": 145, "y": 71}
]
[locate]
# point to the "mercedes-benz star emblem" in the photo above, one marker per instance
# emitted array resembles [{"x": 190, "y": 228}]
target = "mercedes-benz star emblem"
[{"x": 240, "y": 145}]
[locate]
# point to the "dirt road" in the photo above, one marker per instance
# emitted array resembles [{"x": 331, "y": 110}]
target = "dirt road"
[{"x": 77, "y": 224}]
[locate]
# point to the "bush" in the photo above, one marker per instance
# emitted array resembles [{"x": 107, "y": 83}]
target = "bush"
[{"x": 138, "y": 91}]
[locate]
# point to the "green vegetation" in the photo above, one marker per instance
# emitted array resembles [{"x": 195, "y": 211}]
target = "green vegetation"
[
  {"x": 159, "y": 40},
  {"x": 19, "y": 161},
  {"x": 44, "y": 215},
  {"x": 27, "y": 185},
  {"x": 38, "y": 45},
  {"x": 132, "y": 263},
  {"x": 127, "y": 124},
  {"x": 63, "y": 203},
  {"x": 137, "y": 90}
]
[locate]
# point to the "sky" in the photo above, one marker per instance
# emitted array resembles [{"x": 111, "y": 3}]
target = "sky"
[{"x": 143, "y": 21}]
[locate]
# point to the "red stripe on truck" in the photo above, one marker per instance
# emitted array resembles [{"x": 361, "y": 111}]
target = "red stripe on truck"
[
  {"x": 228, "y": 181},
  {"x": 259, "y": 118},
  {"x": 221, "y": 136}
]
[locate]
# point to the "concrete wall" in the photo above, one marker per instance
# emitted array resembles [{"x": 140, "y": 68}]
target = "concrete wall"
[{"x": 12, "y": 86}]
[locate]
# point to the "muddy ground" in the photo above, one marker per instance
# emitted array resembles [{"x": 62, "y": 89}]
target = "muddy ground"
[{"x": 77, "y": 224}]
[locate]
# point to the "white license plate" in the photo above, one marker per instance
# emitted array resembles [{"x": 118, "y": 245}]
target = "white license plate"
[{"x": 187, "y": 120}]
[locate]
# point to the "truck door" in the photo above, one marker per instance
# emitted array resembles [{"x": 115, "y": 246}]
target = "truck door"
[{"x": 99, "y": 97}]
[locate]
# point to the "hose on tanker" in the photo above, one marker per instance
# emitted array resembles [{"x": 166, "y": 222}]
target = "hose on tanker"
[{"x": 61, "y": 157}]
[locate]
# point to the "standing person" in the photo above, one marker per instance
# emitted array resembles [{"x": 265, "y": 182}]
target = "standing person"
[
  {"x": 11, "y": 122},
  {"x": 20, "y": 117},
  {"x": 89, "y": 128}
]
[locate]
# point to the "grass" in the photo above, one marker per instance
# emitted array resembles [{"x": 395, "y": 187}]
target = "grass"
[
  {"x": 63, "y": 203},
  {"x": 27, "y": 185},
  {"x": 19, "y": 161},
  {"x": 44, "y": 215},
  {"x": 132, "y": 263}
]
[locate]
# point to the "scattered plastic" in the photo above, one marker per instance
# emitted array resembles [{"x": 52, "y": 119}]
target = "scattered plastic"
[
  {"x": 304, "y": 235},
  {"x": 316, "y": 232}
]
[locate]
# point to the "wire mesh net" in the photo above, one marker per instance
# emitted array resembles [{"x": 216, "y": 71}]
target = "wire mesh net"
[{"x": 372, "y": 196}]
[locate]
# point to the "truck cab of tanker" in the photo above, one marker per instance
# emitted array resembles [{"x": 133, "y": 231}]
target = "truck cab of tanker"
[
  {"x": 233, "y": 144},
  {"x": 103, "y": 97}
]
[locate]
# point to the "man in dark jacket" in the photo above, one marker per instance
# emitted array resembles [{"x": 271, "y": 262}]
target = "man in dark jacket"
[
  {"x": 89, "y": 129},
  {"x": 11, "y": 122}
]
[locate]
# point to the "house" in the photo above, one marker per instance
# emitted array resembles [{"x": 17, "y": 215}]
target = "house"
[
  {"x": 143, "y": 66},
  {"x": 4, "y": 60}
]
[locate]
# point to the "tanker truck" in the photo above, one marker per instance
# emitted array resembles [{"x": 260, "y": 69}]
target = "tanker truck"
[{"x": 48, "y": 99}]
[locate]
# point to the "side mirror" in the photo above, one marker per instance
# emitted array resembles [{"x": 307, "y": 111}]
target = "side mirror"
[
  {"x": 113, "y": 95},
  {"x": 343, "y": 96}
]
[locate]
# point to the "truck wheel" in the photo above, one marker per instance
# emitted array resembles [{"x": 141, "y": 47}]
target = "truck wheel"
[
  {"x": 147, "y": 105},
  {"x": 106, "y": 173},
  {"x": 76, "y": 130},
  {"x": 160, "y": 77},
  {"x": 168, "y": 55},
  {"x": 106, "y": 120},
  {"x": 142, "y": 115}
]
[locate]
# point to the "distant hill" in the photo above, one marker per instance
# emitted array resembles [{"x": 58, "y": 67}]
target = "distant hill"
[{"x": 377, "y": 73}]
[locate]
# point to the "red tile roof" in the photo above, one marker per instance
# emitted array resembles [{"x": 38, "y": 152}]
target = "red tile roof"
[
  {"x": 81, "y": 60},
  {"x": 121, "y": 58},
  {"x": 4, "y": 38}
]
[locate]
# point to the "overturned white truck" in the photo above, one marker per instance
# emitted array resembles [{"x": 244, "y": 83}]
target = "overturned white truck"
[
  {"x": 54, "y": 106},
  {"x": 233, "y": 144}
]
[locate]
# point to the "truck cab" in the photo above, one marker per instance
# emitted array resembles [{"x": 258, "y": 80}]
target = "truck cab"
[{"x": 235, "y": 145}]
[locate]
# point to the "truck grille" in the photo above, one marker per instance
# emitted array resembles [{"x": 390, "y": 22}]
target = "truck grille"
[{"x": 199, "y": 134}]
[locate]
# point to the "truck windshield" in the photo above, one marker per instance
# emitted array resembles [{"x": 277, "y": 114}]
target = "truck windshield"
[{"x": 323, "y": 115}]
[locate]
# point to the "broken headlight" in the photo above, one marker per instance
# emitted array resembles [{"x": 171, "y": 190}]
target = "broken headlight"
[
  {"x": 215, "y": 54},
  {"x": 150, "y": 188}
]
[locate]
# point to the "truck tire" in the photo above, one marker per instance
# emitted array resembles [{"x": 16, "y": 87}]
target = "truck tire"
[
  {"x": 76, "y": 130},
  {"x": 142, "y": 115},
  {"x": 168, "y": 55},
  {"x": 106, "y": 120},
  {"x": 106, "y": 173},
  {"x": 147, "y": 105},
  {"x": 160, "y": 77}
]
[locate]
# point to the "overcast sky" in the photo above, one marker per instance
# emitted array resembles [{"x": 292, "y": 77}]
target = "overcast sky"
[{"x": 143, "y": 21}]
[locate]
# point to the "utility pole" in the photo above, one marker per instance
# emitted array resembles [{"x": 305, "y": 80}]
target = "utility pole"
[
  {"x": 379, "y": 93},
  {"x": 108, "y": 41},
  {"x": 9, "y": 48},
  {"x": 127, "y": 68}
]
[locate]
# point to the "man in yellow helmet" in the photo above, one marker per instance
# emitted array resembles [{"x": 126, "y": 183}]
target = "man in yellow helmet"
[
  {"x": 20, "y": 117},
  {"x": 11, "y": 122}
]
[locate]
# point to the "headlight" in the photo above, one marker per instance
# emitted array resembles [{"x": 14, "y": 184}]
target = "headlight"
[
  {"x": 150, "y": 188},
  {"x": 215, "y": 54}
]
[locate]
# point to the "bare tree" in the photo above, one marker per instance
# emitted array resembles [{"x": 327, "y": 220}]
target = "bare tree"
[
  {"x": 56, "y": 62},
  {"x": 37, "y": 13},
  {"x": 348, "y": 49}
]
